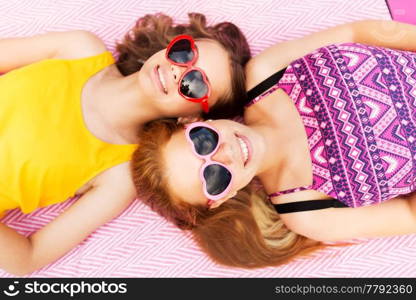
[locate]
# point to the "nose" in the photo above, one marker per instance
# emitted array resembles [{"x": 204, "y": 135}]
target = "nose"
[
  {"x": 177, "y": 72},
  {"x": 223, "y": 155}
]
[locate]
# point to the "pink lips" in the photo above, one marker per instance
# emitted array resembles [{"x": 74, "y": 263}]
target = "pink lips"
[{"x": 157, "y": 79}]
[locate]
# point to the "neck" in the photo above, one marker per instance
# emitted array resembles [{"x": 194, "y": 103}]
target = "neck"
[
  {"x": 120, "y": 106},
  {"x": 276, "y": 145},
  {"x": 286, "y": 158}
]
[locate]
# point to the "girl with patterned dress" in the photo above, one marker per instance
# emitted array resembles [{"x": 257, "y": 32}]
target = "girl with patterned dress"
[
  {"x": 331, "y": 136},
  {"x": 70, "y": 113}
]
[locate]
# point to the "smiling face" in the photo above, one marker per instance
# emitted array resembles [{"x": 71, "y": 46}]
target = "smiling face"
[
  {"x": 159, "y": 79},
  {"x": 240, "y": 150}
]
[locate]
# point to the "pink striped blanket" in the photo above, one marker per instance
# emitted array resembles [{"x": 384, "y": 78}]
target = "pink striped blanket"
[{"x": 141, "y": 244}]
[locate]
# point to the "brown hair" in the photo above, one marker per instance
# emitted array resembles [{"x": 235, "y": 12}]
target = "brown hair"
[
  {"x": 153, "y": 33},
  {"x": 244, "y": 231}
]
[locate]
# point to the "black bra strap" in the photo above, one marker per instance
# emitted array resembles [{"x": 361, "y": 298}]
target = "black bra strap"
[
  {"x": 291, "y": 207},
  {"x": 265, "y": 85}
]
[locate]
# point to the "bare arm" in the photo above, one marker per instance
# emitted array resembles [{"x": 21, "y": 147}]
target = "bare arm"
[
  {"x": 393, "y": 217},
  {"x": 113, "y": 192},
  {"x": 18, "y": 52},
  {"x": 389, "y": 34}
]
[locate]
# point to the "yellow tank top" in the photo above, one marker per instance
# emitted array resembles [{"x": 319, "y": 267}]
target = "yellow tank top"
[{"x": 46, "y": 151}]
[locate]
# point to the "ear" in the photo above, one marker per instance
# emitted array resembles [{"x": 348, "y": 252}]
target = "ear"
[
  {"x": 217, "y": 203},
  {"x": 189, "y": 119}
]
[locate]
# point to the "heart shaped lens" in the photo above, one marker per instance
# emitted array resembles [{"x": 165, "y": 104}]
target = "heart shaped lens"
[
  {"x": 217, "y": 179},
  {"x": 205, "y": 140},
  {"x": 181, "y": 52},
  {"x": 193, "y": 85}
]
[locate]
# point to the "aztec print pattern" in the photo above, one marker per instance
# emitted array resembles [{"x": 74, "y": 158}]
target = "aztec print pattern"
[{"x": 358, "y": 106}]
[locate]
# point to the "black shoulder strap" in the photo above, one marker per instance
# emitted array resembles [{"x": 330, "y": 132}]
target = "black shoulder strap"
[
  {"x": 265, "y": 85},
  {"x": 307, "y": 205}
]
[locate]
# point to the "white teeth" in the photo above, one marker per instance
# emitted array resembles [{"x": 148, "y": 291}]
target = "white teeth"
[
  {"x": 162, "y": 80},
  {"x": 244, "y": 148}
]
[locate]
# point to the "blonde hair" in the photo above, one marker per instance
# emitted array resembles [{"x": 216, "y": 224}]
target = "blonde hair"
[{"x": 246, "y": 231}]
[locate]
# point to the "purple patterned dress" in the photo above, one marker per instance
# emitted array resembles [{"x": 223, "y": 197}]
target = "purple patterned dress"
[{"x": 358, "y": 107}]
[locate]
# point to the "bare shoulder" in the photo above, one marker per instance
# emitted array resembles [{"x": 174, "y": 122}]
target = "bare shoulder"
[
  {"x": 283, "y": 53},
  {"x": 79, "y": 44},
  {"x": 258, "y": 69},
  {"x": 116, "y": 174},
  {"x": 396, "y": 216}
]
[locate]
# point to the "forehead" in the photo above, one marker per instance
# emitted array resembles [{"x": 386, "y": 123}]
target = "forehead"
[
  {"x": 182, "y": 169},
  {"x": 215, "y": 62}
]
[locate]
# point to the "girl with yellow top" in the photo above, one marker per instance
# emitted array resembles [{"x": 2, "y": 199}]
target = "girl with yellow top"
[{"x": 70, "y": 115}]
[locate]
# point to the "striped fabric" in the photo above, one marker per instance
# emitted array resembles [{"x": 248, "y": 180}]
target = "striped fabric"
[{"x": 141, "y": 244}]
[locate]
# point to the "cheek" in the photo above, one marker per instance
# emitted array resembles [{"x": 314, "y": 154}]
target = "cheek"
[
  {"x": 174, "y": 104},
  {"x": 218, "y": 92},
  {"x": 242, "y": 177},
  {"x": 221, "y": 88},
  {"x": 244, "y": 181},
  {"x": 184, "y": 107}
]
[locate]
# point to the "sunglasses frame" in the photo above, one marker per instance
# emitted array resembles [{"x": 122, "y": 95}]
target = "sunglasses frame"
[
  {"x": 208, "y": 161},
  {"x": 203, "y": 100}
]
